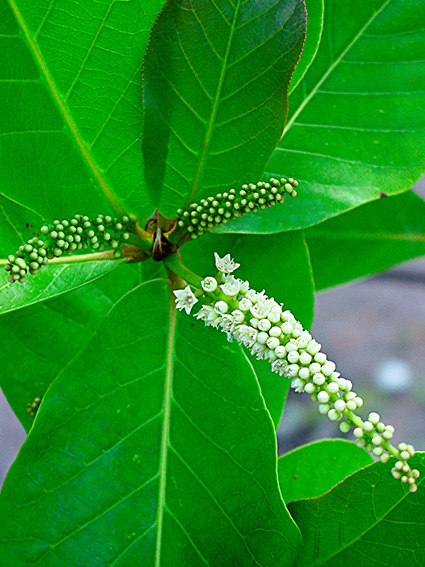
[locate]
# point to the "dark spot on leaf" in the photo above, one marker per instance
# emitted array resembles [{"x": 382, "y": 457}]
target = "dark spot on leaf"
[
  {"x": 295, "y": 477},
  {"x": 383, "y": 195}
]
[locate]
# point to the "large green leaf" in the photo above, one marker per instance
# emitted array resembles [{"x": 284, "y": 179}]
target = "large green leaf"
[
  {"x": 332, "y": 460},
  {"x": 44, "y": 338},
  {"x": 367, "y": 240},
  {"x": 149, "y": 430},
  {"x": 216, "y": 76},
  {"x": 369, "y": 520},
  {"x": 315, "y": 15},
  {"x": 71, "y": 117},
  {"x": 280, "y": 263},
  {"x": 357, "y": 119}
]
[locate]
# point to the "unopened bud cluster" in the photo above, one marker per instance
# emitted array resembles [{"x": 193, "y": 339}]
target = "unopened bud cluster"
[
  {"x": 80, "y": 233},
  {"x": 215, "y": 211},
  {"x": 32, "y": 407},
  {"x": 273, "y": 334}
]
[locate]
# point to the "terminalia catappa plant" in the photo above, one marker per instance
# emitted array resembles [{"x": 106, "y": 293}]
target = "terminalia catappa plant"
[{"x": 148, "y": 154}]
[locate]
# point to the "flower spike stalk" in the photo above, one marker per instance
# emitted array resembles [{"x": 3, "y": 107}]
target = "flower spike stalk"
[
  {"x": 273, "y": 334},
  {"x": 215, "y": 211}
]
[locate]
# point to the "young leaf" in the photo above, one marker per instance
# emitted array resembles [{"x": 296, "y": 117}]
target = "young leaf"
[
  {"x": 150, "y": 430},
  {"x": 357, "y": 119},
  {"x": 332, "y": 460},
  {"x": 71, "y": 104},
  {"x": 215, "y": 80},
  {"x": 368, "y": 520},
  {"x": 279, "y": 262},
  {"x": 367, "y": 240}
]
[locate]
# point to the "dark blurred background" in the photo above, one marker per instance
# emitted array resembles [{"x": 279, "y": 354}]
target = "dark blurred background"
[{"x": 374, "y": 330}]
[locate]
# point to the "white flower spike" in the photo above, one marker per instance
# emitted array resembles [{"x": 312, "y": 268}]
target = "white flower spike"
[
  {"x": 226, "y": 265},
  {"x": 185, "y": 299},
  {"x": 259, "y": 323}
]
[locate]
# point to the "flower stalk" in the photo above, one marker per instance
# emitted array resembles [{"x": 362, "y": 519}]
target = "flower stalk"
[{"x": 273, "y": 334}]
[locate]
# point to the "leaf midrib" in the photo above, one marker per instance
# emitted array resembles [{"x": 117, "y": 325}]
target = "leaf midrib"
[
  {"x": 200, "y": 167},
  {"x": 64, "y": 110},
  {"x": 332, "y": 67},
  {"x": 165, "y": 434}
]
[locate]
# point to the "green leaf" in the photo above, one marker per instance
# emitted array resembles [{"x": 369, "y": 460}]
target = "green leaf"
[
  {"x": 332, "y": 460},
  {"x": 52, "y": 281},
  {"x": 71, "y": 116},
  {"x": 45, "y": 337},
  {"x": 149, "y": 430},
  {"x": 367, "y": 240},
  {"x": 315, "y": 15},
  {"x": 216, "y": 78},
  {"x": 357, "y": 119},
  {"x": 369, "y": 520},
  {"x": 281, "y": 264}
]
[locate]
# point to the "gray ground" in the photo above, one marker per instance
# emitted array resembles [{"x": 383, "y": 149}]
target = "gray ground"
[{"x": 374, "y": 330}]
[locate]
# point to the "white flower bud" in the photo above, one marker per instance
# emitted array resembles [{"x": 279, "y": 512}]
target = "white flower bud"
[
  {"x": 367, "y": 426},
  {"x": 396, "y": 474},
  {"x": 271, "y": 355},
  {"x": 324, "y": 408},
  {"x": 293, "y": 356},
  {"x": 244, "y": 287},
  {"x": 262, "y": 338},
  {"x": 252, "y": 296},
  {"x": 287, "y": 328},
  {"x": 358, "y": 432},
  {"x": 332, "y": 388},
  {"x": 221, "y": 307},
  {"x": 351, "y": 405},
  {"x": 304, "y": 373},
  {"x": 264, "y": 325},
  {"x": 315, "y": 368},
  {"x": 254, "y": 322},
  {"x": 323, "y": 397},
  {"x": 318, "y": 378},
  {"x": 320, "y": 357},
  {"x": 374, "y": 418},
  {"x": 399, "y": 466},
  {"x": 297, "y": 385},
  {"x": 245, "y": 304},
  {"x": 334, "y": 415},
  {"x": 273, "y": 342},
  {"x": 293, "y": 370},
  {"x": 274, "y": 316},
  {"x": 280, "y": 351},
  {"x": 359, "y": 401},
  {"x": 310, "y": 388},
  {"x": 327, "y": 368},
  {"x": 402, "y": 447},
  {"x": 238, "y": 316},
  {"x": 413, "y": 488},
  {"x": 405, "y": 455},
  {"x": 344, "y": 426},
  {"x": 361, "y": 443},
  {"x": 384, "y": 458},
  {"x": 377, "y": 451},
  {"x": 339, "y": 405},
  {"x": 275, "y": 332},
  {"x": 209, "y": 284},
  {"x": 376, "y": 440},
  {"x": 313, "y": 348},
  {"x": 305, "y": 358},
  {"x": 291, "y": 347}
]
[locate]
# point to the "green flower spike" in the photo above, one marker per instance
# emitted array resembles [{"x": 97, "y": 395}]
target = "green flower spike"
[
  {"x": 215, "y": 211},
  {"x": 80, "y": 233}
]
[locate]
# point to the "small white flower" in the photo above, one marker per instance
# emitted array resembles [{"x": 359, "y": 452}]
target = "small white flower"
[
  {"x": 280, "y": 366},
  {"x": 226, "y": 265},
  {"x": 246, "y": 335},
  {"x": 261, "y": 309},
  {"x": 231, "y": 287},
  {"x": 185, "y": 299},
  {"x": 245, "y": 304},
  {"x": 209, "y": 284}
]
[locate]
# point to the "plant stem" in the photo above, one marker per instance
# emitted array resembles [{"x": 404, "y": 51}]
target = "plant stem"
[{"x": 174, "y": 264}]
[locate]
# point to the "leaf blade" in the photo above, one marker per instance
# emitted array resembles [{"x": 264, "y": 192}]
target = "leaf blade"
[{"x": 214, "y": 50}]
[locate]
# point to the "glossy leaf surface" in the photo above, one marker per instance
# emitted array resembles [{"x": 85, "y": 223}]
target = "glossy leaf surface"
[
  {"x": 367, "y": 240},
  {"x": 44, "y": 338},
  {"x": 331, "y": 461},
  {"x": 280, "y": 264},
  {"x": 173, "y": 449},
  {"x": 369, "y": 520},
  {"x": 315, "y": 15},
  {"x": 357, "y": 119},
  {"x": 71, "y": 115},
  {"x": 216, "y": 76}
]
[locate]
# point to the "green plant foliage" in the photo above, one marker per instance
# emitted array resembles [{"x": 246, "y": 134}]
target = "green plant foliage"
[
  {"x": 215, "y": 80},
  {"x": 334, "y": 460},
  {"x": 373, "y": 237},
  {"x": 365, "y": 521},
  {"x": 78, "y": 144},
  {"x": 141, "y": 451},
  {"x": 315, "y": 15},
  {"x": 56, "y": 280},
  {"x": 356, "y": 122}
]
